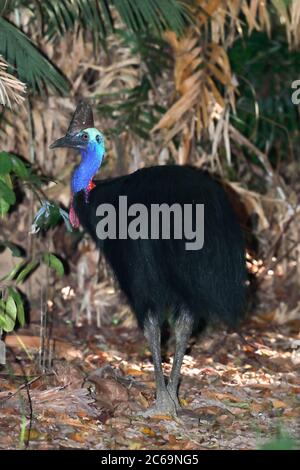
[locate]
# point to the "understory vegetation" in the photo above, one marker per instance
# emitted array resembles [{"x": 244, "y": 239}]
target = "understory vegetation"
[{"x": 208, "y": 83}]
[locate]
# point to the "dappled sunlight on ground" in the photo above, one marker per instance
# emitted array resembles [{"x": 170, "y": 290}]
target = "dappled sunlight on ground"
[{"x": 240, "y": 389}]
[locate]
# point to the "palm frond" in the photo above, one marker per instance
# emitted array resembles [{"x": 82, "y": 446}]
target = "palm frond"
[
  {"x": 128, "y": 84},
  {"x": 130, "y": 110},
  {"x": 200, "y": 70},
  {"x": 12, "y": 90},
  {"x": 98, "y": 17},
  {"x": 61, "y": 17},
  {"x": 156, "y": 14},
  {"x": 32, "y": 66}
]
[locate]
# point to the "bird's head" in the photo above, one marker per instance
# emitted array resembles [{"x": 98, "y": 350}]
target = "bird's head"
[
  {"x": 83, "y": 140},
  {"x": 81, "y": 134}
]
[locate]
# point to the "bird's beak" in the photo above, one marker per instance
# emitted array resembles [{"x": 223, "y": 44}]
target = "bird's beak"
[{"x": 69, "y": 140}]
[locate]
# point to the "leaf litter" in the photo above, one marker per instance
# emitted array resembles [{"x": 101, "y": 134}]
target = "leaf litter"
[{"x": 238, "y": 391}]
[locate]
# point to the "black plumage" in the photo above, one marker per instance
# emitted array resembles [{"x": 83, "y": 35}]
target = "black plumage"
[{"x": 161, "y": 275}]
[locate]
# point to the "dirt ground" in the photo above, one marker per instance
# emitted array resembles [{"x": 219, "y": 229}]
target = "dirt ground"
[{"x": 238, "y": 391}]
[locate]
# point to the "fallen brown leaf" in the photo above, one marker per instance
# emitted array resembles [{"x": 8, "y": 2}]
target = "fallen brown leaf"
[
  {"x": 278, "y": 403},
  {"x": 109, "y": 390},
  {"x": 148, "y": 432}
]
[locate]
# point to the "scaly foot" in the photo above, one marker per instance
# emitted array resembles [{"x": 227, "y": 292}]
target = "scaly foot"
[{"x": 164, "y": 405}]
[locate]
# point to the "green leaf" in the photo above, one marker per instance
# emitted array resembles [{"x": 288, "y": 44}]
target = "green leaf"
[
  {"x": 242, "y": 405},
  {"x": 4, "y": 204},
  {"x": 26, "y": 271},
  {"x": 19, "y": 167},
  {"x": 7, "y": 193},
  {"x": 10, "y": 314},
  {"x": 11, "y": 308},
  {"x": 53, "y": 262},
  {"x": 19, "y": 304},
  {"x": 15, "y": 249},
  {"x": 5, "y": 163},
  {"x": 3, "y": 318},
  {"x": 4, "y": 207},
  {"x": 11, "y": 275},
  {"x": 35, "y": 179},
  {"x": 2, "y": 306},
  {"x": 49, "y": 215},
  {"x": 7, "y": 180},
  {"x": 3, "y": 323}
]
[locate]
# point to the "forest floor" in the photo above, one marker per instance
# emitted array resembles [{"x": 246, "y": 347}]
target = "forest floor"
[{"x": 238, "y": 391}]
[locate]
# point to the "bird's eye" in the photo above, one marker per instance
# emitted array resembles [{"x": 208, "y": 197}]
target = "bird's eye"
[
  {"x": 84, "y": 136},
  {"x": 98, "y": 138}
]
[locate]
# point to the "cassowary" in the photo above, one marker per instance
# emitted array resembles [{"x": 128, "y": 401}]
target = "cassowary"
[{"x": 159, "y": 275}]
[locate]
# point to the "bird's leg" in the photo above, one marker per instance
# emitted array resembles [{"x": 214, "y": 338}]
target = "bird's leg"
[
  {"x": 183, "y": 331},
  {"x": 164, "y": 403}
]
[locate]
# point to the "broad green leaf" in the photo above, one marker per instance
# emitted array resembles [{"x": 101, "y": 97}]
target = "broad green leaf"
[
  {"x": 11, "y": 308},
  {"x": 4, "y": 204},
  {"x": 4, "y": 207},
  {"x": 10, "y": 314},
  {"x": 7, "y": 193},
  {"x": 7, "y": 180},
  {"x": 19, "y": 167},
  {"x": 26, "y": 271},
  {"x": 5, "y": 163},
  {"x": 19, "y": 304},
  {"x": 53, "y": 216},
  {"x": 53, "y": 262},
  {"x": 3, "y": 323}
]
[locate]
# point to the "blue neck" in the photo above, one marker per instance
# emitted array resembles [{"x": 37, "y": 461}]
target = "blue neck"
[{"x": 91, "y": 160}]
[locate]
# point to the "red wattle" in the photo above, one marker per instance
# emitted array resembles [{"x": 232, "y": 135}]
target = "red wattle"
[
  {"x": 73, "y": 216},
  {"x": 90, "y": 186}
]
